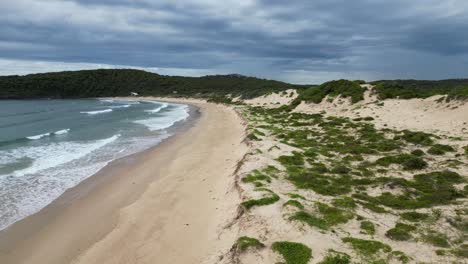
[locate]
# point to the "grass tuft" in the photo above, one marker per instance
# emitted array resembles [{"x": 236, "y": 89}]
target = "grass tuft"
[
  {"x": 244, "y": 243},
  {"x": 293, "y": 253}
]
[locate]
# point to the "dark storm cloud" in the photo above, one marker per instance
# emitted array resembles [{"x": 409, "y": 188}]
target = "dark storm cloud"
[{"x": 271, "y": 38}]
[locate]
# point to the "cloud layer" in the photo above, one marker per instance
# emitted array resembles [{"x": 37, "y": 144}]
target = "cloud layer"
[{"x": 298, "y": 41}]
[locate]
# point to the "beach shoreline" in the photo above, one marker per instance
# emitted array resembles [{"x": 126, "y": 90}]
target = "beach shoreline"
[{"x": 91, "y": 222}]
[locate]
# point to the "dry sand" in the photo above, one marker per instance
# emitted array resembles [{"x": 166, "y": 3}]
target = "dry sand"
[{"x": 168, "y": 205}]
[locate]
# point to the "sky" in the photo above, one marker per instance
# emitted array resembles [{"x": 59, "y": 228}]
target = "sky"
[{"x": 297, "y": 41}]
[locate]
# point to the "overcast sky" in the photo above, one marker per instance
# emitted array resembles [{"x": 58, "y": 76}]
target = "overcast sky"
[{"x": 299, "y": 41}]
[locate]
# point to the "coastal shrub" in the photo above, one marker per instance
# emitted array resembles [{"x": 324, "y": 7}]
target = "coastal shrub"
[
  {"x": 273, "y": 198},
  {"x": 340, "y": 169},
  {"x": 400, "y": 256},
  {"x": 295, "y": 160},
  {"x": 414, "y": 216},
  {"x": 309, "y": 219},
  {"x": 294, "y": 203},
  {"x": 252, "y": 136},
  {"x": 367, "y": 227},
  {"x": 344, "y": 88},
  {"x": 292, "y": 252},
  {"x": 243, "y": 243},
  {"x": 344, "y": 202},
  {"x": 409, "y": 162},
  {"x": 335, "y": 257},
  {"x": 256, "y": 176},
  {"x": 437, "y": 239},
  {"x": 296, "y": 196},
  {"x": 367, "y": 247},
  {"x": 327, "y": 216},
  {"x": 430, "y": 189},
  {"x": 400, "y": 232},
  {"x": 417, "y": 152},
  {"x": 322, "y": 184},
  {"x": 419, "y": 138},
  {"x": 439, "y": 149}
]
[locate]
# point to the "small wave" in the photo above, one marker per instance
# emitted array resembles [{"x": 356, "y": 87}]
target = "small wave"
[
  {"x": 38, "y": 136},
  {"x": 153, "y": 111},
  {"x": 63, "y": 131},
  {"x": 97, "y": 112},
  {"x": 179, "y": 113},
  {"x": 55, "y": 154},
  {"x": 58, "y": 132},
  {"x": 106, "y": 100},
  {"x": 120, "y": 106}
]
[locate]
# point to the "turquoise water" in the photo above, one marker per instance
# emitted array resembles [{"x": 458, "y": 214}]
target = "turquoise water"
[{"x": 49, "y": 146}]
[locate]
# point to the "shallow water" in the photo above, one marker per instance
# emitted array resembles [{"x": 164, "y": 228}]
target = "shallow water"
[{"x": 49, "y": 146}]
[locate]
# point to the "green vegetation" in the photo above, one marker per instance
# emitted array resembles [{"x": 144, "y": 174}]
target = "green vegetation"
[
  {"x": 437, "y": 239},
  {"x": 335, "y": 257},
  {"x": 243, "y": 243},
  {"x": 327, "y": 216},
  {"x": 417, "y": 152},
  {"x": 120, "y": 82},
  {"x": 367, "y": 247},
  {"x": 419, "y": 138},
  {"x": 406, "y": 89},
  {"x": 439, "y": 149},
  {"x": 426, "y": 190},
  {"x": 400, "y": 232},
  {"x": 409, "y": 162},
  {"x": 256, "y": 176},
  {"x": 294, "y": 203},
  {"x": 271, "y": 199},
  {"x": 344, "y": 88},
  {"x": 400, "y": 256},
  {"x": 367, "y": 227},
  {"x": 293, "y": 253},
  {"x": 344, "y": 202},
  {"x": 414, "y": 216}
]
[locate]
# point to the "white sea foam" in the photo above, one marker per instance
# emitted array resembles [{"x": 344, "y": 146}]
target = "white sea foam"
[
  {"x": 55, "y": 154},
  {"x": 156, "y": 110},
  {"x": 38, "y": 136},
  {"x": 63, "y": 131},
  {"x": 120, "y": 106},
  {"x": 178, "y": 113},
  {"x": 97, "y": 112},
  {"x": 106, "y": 100}
]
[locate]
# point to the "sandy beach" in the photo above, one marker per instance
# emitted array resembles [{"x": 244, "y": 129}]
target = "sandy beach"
[{"x": 165, "y": 205}]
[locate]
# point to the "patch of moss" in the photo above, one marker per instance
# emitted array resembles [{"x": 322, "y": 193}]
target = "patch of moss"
[
  {"x": 401, "y": 232},
  {"x": 244, "y": 243},
  {"x": 292, "y": 252}
]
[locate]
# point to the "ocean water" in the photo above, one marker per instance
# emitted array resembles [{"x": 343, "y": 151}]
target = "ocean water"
[{"x": 49, "y": 146}]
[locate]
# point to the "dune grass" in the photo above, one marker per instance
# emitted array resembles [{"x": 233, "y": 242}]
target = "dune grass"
[{"x": 292, "y": 252}]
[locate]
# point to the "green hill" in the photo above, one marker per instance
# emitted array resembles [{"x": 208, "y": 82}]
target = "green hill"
[{"x": 120, "y": 82}]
